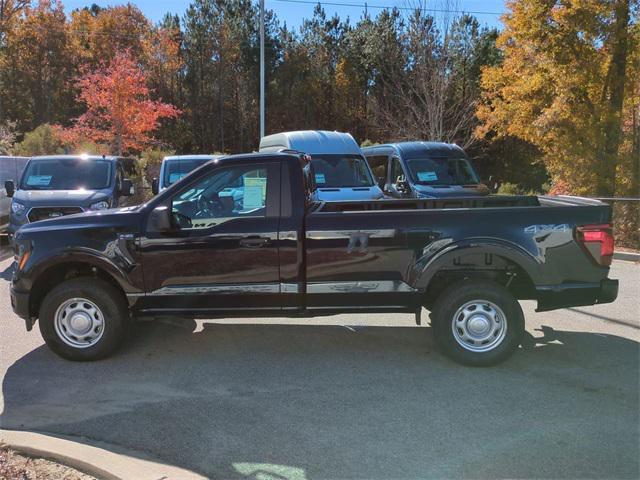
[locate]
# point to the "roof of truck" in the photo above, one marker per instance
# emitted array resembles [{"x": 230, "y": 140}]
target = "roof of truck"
[
  {"x": 417, "y": 147},
  {"x": 311, "y": 142}
]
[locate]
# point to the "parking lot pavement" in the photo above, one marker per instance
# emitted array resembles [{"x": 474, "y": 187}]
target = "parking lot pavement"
[{"x": 350, "y": 396}]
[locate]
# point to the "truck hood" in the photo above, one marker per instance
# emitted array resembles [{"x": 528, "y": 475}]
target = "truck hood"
[
  {"x": 111, "y": 218},
  {"x": 60, "y": 198},
  {"x": 426, "y": 191},
  {"x": 350, "y": 193}
]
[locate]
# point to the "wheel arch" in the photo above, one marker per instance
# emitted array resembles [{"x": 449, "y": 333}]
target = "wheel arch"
[
  {"x": 60, "y": 270},
  {"x": 502, "y": 262}
]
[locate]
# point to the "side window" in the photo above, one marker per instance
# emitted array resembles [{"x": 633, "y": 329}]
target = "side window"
[
  {"x": 396, "y": 169},
  {"x": 119, "y": 177},
  {"x": 224, "y": 194},
  {"x": 378, "y": 164}
]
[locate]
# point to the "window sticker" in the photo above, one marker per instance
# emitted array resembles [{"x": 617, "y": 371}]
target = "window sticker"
[
  {"x": 252, "y": 197},
  {"x": 39, "y": 180},
  {"x": 427, "y": 176},
  {"x": 320, "y": 178},
  {"x": 174, "y": 177}
]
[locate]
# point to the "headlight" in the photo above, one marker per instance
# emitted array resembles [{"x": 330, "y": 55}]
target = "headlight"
[
  {"x": 99, "y": 205},
  {"x": 17, "y": 208}
]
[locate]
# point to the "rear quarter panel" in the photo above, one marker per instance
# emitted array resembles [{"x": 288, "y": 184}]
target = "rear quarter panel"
[{"x": 403, "y": 245}]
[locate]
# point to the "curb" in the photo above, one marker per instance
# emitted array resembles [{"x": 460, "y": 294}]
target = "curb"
[
  {"x": 101, "y": 460},
  {"x": 628, "y": 256}
]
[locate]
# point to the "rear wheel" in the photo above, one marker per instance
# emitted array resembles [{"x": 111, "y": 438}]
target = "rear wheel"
[
  {"x": 477, "y": 323},
  {"x": 83, "y": 319}
]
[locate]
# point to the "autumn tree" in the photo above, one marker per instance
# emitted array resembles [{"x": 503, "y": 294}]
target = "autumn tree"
[
  {"x": 7, "y": 137},
  {"x": 36, "y": 67},
  {"x": 9, "y": 10},
  {"x": 119, "y": 110},
  {"x": 563, "y": 87}
]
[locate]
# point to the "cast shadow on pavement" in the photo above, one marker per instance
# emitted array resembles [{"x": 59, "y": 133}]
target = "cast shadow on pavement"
[{"x": 305, "y": 402}]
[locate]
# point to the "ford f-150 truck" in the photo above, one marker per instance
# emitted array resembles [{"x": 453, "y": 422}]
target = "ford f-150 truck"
[{"x": 193, "y": 252}]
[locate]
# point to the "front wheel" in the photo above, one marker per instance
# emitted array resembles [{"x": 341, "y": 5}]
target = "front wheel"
[
  {"x": 477, "y": 323},
  {"x": 83, "y": 319}
]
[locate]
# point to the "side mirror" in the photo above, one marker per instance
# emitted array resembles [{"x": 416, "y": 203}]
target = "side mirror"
[
  {"x": 10, "y": 187},
  {"x": 402, "y": 185},
  {"x": 155, "y": 186},
  {"x": 160, "y": 220},
  {"x": 492, "y": 185},
  {"x": 126, "y": 187}
]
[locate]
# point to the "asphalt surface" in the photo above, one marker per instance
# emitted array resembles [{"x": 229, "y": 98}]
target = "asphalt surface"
[{"x": 351, "y": 396}]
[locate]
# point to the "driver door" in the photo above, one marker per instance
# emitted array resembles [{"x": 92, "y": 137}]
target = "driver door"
[{"x": 222, "y": 254}]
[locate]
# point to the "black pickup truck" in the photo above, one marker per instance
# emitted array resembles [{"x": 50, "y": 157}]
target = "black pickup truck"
[{"x": 243, "y": 236}]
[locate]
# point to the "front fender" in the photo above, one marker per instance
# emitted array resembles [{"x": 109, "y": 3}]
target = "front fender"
[
  {"x": 428, "y": 265},
  {"x": 117, "y": 266}
]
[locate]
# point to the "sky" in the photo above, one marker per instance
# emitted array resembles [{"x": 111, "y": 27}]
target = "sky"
[{"x": 294, "y": 13}]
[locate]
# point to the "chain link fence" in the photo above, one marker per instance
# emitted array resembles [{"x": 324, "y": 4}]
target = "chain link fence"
[{"x": 626, "y": 220}]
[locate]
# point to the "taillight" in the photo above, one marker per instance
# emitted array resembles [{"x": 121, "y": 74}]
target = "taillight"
[{"x": 598, "y": 241}]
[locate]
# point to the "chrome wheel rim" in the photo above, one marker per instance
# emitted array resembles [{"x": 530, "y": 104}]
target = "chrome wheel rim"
[
  {"x": 479, "y": 326},
  {"x": 79, "y": 323}
]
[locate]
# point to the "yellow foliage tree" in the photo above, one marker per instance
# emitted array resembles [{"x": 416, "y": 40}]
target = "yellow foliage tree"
[{"x": 566, "y": 85}]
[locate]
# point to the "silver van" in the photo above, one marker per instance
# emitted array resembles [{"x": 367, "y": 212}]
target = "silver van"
[
  {"x": 51, "y": 186},
  {"x": 341, "y": 171}
]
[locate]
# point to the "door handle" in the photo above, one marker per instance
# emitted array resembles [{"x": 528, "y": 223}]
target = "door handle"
[{"x": 254, "y": 242}]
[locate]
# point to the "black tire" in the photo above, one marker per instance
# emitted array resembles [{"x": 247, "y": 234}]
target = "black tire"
[
  {"x": 444, "y": 313},
  {"x": 111, "y": 304}
]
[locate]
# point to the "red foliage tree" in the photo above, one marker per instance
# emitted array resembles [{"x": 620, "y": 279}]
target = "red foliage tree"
[{"x": 119, "y": 110}]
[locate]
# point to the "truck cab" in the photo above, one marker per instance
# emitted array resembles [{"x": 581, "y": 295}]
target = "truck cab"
[
  {"x": 341, "y": 171},
  {"x": 424, "y": 170}
]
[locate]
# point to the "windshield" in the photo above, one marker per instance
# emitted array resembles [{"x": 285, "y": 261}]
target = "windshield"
[
  {"x": 174, "y": 170},
  {"x": 442, "y": 171},
  {"x": 67, "y": 174},
  {"x": 338, "y": 171}
]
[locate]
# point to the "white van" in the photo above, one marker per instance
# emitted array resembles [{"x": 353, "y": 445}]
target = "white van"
[{"x": 341, "y": 171}]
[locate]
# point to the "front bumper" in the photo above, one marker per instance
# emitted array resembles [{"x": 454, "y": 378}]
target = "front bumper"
[
  {"x": 551, "y": 297},
  {"x": 20, "y": 305}
]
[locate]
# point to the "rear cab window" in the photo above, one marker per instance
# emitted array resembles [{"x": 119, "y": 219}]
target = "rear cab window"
[{"x": 175, "y": 169}]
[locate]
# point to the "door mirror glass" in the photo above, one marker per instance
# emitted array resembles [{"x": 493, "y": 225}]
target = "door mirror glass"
[
  {"x": 402, "y": 185},
  {"x": 126, "y": 188},
  {"x": 10, "y": 187},
  {"x": 155, "y": 186},
  {"x": 492, "y": 184}
]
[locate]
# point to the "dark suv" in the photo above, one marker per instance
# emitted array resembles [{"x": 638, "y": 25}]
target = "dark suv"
[
  {"x": 424, "y": 170},
  {"x": 57, "y": 185}
]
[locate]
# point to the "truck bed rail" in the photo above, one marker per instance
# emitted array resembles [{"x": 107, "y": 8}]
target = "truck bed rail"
[{"x": 428, "y": 203}]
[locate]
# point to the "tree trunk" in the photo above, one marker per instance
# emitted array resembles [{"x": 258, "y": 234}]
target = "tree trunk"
[{"x": 614, "y": 91}]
